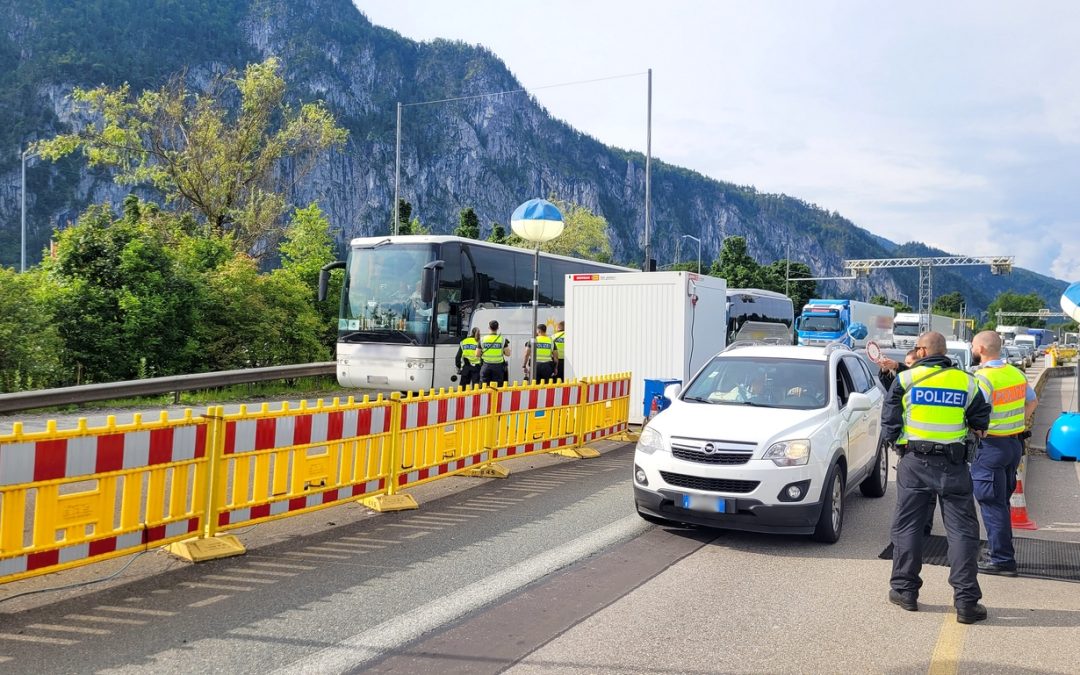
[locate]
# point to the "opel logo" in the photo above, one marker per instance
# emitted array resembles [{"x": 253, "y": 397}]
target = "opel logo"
[{"x": 709, "y": 449}]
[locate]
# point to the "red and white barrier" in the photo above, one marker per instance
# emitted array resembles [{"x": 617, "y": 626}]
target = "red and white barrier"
[{"x": 304, "y": 429}]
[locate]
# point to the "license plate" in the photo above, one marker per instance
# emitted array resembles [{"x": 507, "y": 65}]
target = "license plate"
[{"x": 704, "y": 503}]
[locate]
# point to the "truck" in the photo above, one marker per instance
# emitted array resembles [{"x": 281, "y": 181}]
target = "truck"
[
  {"x": 906, "y": 328},
  {"x": 1044, "y": 337},
  {"x": 827, "y": 320},
  {"x": 1009, "y": 333}
]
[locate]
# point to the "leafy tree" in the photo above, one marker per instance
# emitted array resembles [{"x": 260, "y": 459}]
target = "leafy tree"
[
  {"x": 898, "y": 305},
  {"x": 1015, "y": 302},
  {"x": 736, "y": 266},
  {"x": 585, "y": 234},
  {"x": 202, "y": 156},
  {"x": 404, "y": 218},
  {"x": 306, "y": 248},
  {"x": 30, "y": 345},
  {"x": 950, "y": 303},
  {"x": 775, "y": 274},
  {"x": 498, "y": 234},
  {"x": 468, "y": 224}
]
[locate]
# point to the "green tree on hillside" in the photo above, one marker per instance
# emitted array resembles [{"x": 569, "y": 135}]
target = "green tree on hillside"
[
  {"x": 468, "y": 224},
  {"x": 307, "y": 246},
  {"x": 736, "y": 266},
  {"x": 30, "y": 344},
  {"x": 774, "y": 276},
  {"x": 498, "y": 234},
  {"x": 950, "y": 303},
  {"x": 202, "y": 156},
  {"x": 404, "y": 218},
  {"x": 898, "y": 305},
  {"x": 1015, "y": 302}
]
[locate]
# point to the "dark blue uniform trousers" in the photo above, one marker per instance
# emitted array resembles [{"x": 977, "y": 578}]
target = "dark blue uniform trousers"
[
  {"x": 919, "y": 480},
  {"x": 993, "y": 474}
]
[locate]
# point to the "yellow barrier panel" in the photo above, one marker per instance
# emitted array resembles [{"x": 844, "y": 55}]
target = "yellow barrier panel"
[
  {"x": 605, "y": 409},
  {"x": 76, "y": 496},
  {"x": 534, "y": 418},
  {"x": 277, "y": 463}
]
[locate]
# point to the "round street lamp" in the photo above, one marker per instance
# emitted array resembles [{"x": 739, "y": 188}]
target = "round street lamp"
[{"x": 536, "y": 221}]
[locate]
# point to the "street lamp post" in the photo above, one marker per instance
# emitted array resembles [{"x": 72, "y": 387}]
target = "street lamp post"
[
  {"x": 29, "y": 152},
  {"x": 690, "y": 236},
  {"x": 536, "y": 221}
]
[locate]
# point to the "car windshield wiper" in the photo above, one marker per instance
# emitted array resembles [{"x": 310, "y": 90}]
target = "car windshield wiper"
[{"x": 696, "y": 399}]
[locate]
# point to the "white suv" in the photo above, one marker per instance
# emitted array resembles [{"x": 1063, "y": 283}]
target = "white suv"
[{"x": 765, "y": 439}]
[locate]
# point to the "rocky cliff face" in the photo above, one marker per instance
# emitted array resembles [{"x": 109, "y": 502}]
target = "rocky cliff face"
[{"x": 489, "y": 153}]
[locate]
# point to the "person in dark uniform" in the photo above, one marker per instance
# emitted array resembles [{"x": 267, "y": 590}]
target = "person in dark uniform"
[
  {"x": 542, "y": 348},
  {"x": 494, "y": 349},
  {"x": 928, "y": 413},
  {"x": 993, "y": 471},
  {"x": 467, "y": 360}
]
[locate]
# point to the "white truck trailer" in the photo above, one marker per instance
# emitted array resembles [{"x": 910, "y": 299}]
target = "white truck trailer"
[
  {"x": 657, "y": 325},
  {"x": 906, "y": 328}
]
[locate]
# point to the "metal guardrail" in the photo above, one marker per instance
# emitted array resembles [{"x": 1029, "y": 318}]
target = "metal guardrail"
[{"x": 43, "y": 398}]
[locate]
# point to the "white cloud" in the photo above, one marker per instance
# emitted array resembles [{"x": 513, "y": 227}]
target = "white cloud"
[{"x": 1067, "y": 263}]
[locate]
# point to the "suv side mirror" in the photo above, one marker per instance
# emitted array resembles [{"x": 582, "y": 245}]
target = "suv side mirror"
[
  {"x": 672, "y": 391},
  {"x": 858, "y": 402}
]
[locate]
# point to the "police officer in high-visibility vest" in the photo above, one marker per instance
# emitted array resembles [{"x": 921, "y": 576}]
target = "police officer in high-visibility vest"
[
  {"x": 467, "y": 359},
  {"x": 993, "y": 471},
  {"x": 494, "y": 349},
  {"x": 560, "y": 349},
  {"x": 543, "y": 350},
  {"x": 929, "y": 411}
]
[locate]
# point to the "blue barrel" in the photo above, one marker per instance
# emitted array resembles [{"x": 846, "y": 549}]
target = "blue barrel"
[
  {"x": 655, "y": 389},
  {"x": 1063, "y": 441}
]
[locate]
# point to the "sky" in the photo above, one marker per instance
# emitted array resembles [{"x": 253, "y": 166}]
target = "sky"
[{"x": 953, "y": 123}]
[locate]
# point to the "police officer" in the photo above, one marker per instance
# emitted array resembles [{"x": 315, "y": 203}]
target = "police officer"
[
  {"x": 494, "y": 349},
  {"x": 545, "y": 355},
  {"x": 560, "y": 348},
  {"x": 928, "y": 413},
  {"x": 993, "y": 472},
  {"x": 467, "y": 359}
]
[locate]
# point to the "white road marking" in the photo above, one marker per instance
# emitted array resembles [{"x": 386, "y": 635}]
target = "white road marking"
[
  {"x": 105, "y": 619},
  {"x": 414, "y": 527},
  {"x": 217, "y": 587},
  {"x": 69, "y": 629},
  {"x": 476, "y": 508},
  {"x": 243, "y": 580},
  {"x": 360, "y": 648},
  {"x": 331, "y": 548},
  {"x": 134, "y": 610},
  {"x": 287, "y": 566},
  {"x": 308, "y": 554},
  {"x": 17, "y": 637},
  {"x": 209, "y": 601},
  {"x": 269, "y": 573},
  {"x": 370, "y": 540},
  {"x": 416, "y": 535}
]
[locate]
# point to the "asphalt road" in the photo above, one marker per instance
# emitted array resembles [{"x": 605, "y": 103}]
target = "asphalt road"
[{"x": 547, "y": 571}]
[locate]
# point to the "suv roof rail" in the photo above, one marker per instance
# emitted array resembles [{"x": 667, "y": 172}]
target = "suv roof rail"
[{"x": 763, "y": 342}]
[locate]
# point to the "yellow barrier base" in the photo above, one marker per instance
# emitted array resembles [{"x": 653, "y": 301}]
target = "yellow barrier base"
[
  {"x": 200, "y": 550},
  {"x": 626, "y": 436},
  {"x": 488, "y": 471},
  {"x": 576, "y": 453},
  {"x": 384, "y": 503}
]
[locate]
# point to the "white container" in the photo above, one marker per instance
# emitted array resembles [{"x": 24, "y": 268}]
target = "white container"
[{"x": 657, "y": 325}]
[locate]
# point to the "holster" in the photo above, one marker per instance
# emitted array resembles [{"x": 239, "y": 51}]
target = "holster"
[{"x": 971, "y": 443}]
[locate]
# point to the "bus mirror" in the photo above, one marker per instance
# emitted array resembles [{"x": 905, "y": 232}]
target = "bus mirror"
[
  {"x": 324, "y": 276},
  {"x": 430, "y": 281}
]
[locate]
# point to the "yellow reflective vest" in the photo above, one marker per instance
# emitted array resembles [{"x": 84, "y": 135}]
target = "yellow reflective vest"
[
  {"x": 935, "y": 403},
  {"x": 544, "y": 347},
  {"x": 491, "y": 348},
  {"x": 470, "y": 350},
  {"x": 560, "y": 344},
  {"x": 1007, "y": 393}
]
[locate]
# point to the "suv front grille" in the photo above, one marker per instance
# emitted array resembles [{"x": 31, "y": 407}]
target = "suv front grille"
[
  {"x": 715, "y": 458},
  {"x": 709, "y": 484}
]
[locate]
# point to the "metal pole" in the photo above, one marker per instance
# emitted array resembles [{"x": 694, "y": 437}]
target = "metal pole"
[
  {"x": 536, "y": 299},
  {"x": 787, "y": 272},
  {"x": 648, "y": 176},
  {"x": 22, "y": 212},
  {"x": 397, "y": 172},
  {"x": 699, "y": 256}
]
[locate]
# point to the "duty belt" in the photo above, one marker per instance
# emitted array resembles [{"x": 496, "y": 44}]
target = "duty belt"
[{"x": 931, "y": 448}]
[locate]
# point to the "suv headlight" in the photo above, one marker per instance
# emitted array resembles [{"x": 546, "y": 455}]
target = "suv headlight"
[
  {"x": 789, "y": 453},
  {"x": 650, "y": 441}
]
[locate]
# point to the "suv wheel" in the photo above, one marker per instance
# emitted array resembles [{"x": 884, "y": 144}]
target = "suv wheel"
[
  {"x": 831, "y": 520},
  {"x": 877, "y": 482}
]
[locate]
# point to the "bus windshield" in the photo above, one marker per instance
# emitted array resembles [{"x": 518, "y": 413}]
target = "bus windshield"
[{"x": 381, "y": 298}]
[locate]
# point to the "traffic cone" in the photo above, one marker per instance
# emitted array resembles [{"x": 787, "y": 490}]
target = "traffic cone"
[
  {"x": 1018, "y": 513},
  {"x": 654, "y": 408}
]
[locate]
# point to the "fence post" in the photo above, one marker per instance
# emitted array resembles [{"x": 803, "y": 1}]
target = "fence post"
[
  {"x": 393, "y": 500},
  {"x": 490, "y": 468},
  {"x": 209, "y": 545},
  {"x": 578, "y": 450}
]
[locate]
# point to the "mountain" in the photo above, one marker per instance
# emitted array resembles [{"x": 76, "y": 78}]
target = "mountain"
[{"x": 490, "y": 153}]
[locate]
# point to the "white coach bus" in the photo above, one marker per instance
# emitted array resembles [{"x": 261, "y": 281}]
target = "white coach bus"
[{"x": 407, "y": 301}]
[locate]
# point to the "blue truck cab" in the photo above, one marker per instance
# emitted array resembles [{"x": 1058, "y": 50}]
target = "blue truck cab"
[{"x": 823, "y": 321}]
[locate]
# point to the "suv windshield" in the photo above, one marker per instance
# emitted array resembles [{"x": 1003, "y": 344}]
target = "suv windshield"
[{"x": 760, "y": 381}]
